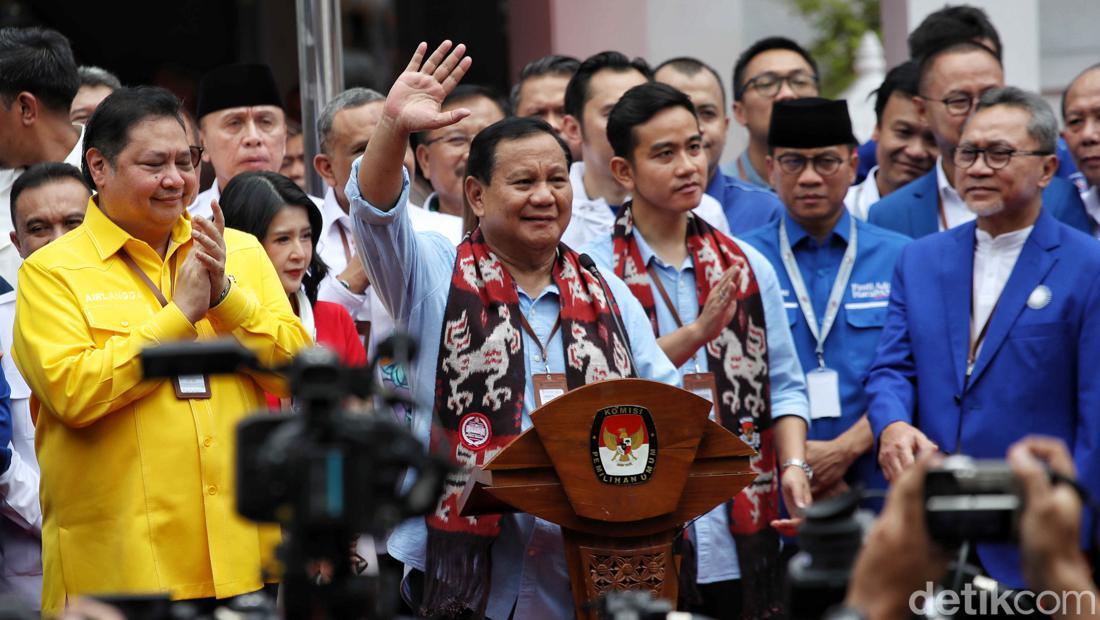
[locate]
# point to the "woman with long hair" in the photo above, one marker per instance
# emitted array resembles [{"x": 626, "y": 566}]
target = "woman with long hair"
[{"x": 272, "y": 208}]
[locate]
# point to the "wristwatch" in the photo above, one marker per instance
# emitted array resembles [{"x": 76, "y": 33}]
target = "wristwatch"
[
  {"x": 803, "y": 465},
  {"x": 229, "y": 280}
]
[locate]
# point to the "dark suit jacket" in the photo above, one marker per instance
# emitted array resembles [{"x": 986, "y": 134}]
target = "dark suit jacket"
[
  {"x": 913, "y": 209},
  {"x": 1035, "y": 373}
]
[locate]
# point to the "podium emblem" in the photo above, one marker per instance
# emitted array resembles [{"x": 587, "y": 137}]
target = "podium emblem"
[{"x": 623, "y": 445}]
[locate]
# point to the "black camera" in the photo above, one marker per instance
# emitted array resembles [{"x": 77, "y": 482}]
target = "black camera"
[
  {"x": 829, "y": 538},
  {"x": 969, "y": 500},
  {"x": 326, "y": 474}
]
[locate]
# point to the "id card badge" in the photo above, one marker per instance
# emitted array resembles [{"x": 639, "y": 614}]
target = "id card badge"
[
  {"x": 823, "y": 386},
  {"x": 549, "y": 386},
  {"x": 191, "y": 386},
  {"x": 702, "y": 384}
]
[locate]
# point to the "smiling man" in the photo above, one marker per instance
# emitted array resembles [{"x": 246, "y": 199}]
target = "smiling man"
[
  {"x": 242, "y": 125},
  {"x": 504, "y": 288},
  {"x": 951, "y": 81},
  {"x": 835, "y": 274},
  {"x": 904, "y": 145},
  {"x": 993, "y": 326},
  {"x": 708, "y": 296},
  {"x": 137, "y": 476}
]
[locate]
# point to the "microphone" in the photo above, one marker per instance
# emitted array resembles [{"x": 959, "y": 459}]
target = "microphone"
[{"x": 612, "y": 306}]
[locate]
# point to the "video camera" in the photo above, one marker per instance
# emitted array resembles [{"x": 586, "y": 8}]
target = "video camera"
[{"x": 324, "y": 473}]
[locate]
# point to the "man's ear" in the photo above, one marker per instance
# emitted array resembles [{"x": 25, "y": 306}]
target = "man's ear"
[
  {"x": 770, "y": 167},
  {"x": 205, "y": 150},
  {"x": 28, "y": 108},
  {"x": 922, "y": 108},
  {"x": 15, "y": 242},
  {"x": 739, "y": 113},
  {"x": 571, "y": 129},
  {"x": 623, "y": 172},
  {"x": 423, "y": 160},
  {"x": 97, "y": 166},
  {"x": 1050, "y": 166},
  {"x": 323, "y": 165},
  {"x": 853, "y": 168},
  {"x": 475, "y": 195}
]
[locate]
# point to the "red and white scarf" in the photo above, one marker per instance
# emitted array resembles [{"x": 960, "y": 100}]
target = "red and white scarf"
[
  {"x": 738, "y": 357},
  {"x": 479, "y": 394}
]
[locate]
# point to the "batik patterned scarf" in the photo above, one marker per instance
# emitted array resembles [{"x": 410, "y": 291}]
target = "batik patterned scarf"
[
  {"x": 738, "y": 357},
  {"x": 479, "y": 393}
]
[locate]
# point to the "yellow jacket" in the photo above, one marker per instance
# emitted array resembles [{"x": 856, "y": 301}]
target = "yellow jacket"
[{"x": 138, "y": 486}]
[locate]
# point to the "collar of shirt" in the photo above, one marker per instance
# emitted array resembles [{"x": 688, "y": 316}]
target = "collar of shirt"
[
  {"x": 955, "y": 210},
  {"x": 1091, "y": 198},
  {"x": 331, "y": 213},
  {"x": 994, "y": 259},
  {"x": 860, "y": 197},
  {"x": 648, "y": 255},
  {"x": 108, "y": 238},
  {"x": 77, "y": 154},
  {"x": 796, "y": 234},
  {"x": 750, "y": 175}
]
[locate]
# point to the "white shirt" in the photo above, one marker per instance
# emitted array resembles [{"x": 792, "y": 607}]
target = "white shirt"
[
  {"x": 994, "y": 258},
  {"x": 330, "y": 246},
  {"x": 1091, "y": 198},
  {"x": 20, "y": 512},
  {"x": 860, "y": 197},
  {"x": 201, "y": 206},
  {"x": 592, "y": 217},
  {"x": 9, "y": 256},
  {"x": 955, "y": 210}
]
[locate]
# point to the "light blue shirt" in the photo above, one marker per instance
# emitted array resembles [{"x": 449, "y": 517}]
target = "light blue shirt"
[
  {"x": 717, "y": 555},
  {"x": 411, "y": 273}
]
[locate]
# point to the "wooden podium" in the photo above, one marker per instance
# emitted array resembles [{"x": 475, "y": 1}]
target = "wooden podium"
[{"x": 620, "y": 465}]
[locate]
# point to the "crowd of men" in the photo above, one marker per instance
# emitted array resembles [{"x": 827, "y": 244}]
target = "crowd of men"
[{"x": 933, "y": 291}]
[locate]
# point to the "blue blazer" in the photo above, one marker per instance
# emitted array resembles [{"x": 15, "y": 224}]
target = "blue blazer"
[
  {"x": 1036, "y": 372},
  {"x": 913, "y": 209}
]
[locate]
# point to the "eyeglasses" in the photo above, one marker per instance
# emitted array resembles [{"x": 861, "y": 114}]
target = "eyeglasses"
[
  {"x": 455, "y": 141},
  {"x": 957, "y": 105},
  {"x": 768, "y": 84},
  {"x": 996, "y": 157},
  {"x": 825, "y": 165},
  {"x": 196, "y": 155}
]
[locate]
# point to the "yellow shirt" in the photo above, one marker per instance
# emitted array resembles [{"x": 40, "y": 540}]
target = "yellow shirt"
[{"x": 138, "y": 486}]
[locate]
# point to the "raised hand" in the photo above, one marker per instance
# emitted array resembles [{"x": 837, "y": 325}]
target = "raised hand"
[
  {"x": 191, "y": 292},
  {"x": 416, "y": 97}
]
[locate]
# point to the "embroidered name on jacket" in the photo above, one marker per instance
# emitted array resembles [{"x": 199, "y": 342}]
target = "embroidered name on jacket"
[{"x": 871, "y": 290}]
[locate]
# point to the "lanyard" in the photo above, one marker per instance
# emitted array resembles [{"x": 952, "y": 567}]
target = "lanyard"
[
  {"x": 542, "y": 347},
  {"x": 832, "y": 308},
  {"x": 129, "y": 260},
  {"x": 668, "y": 304}
]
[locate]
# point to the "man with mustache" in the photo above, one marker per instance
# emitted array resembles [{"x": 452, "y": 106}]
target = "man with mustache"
[
  {"x": 708, "y": 295},
  {"x": 835, "y": 273},
  {"x": 242, "y": 124},
  {"x": 951, "y": 81},
  {"x": 993, "y": 326}
]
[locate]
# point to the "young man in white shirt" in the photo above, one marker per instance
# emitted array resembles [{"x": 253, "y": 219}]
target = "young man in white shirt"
[{"x": 594, "y": 89}]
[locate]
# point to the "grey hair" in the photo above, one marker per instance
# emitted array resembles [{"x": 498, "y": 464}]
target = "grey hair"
[
  {"x": 98, "y": 76},
  {"x": 350, "y": 98},
  {"x": 1042, "y": 126}
]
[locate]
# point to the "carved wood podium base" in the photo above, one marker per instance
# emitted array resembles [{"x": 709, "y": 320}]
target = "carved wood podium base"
[{"x": 599, "y": 564}]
